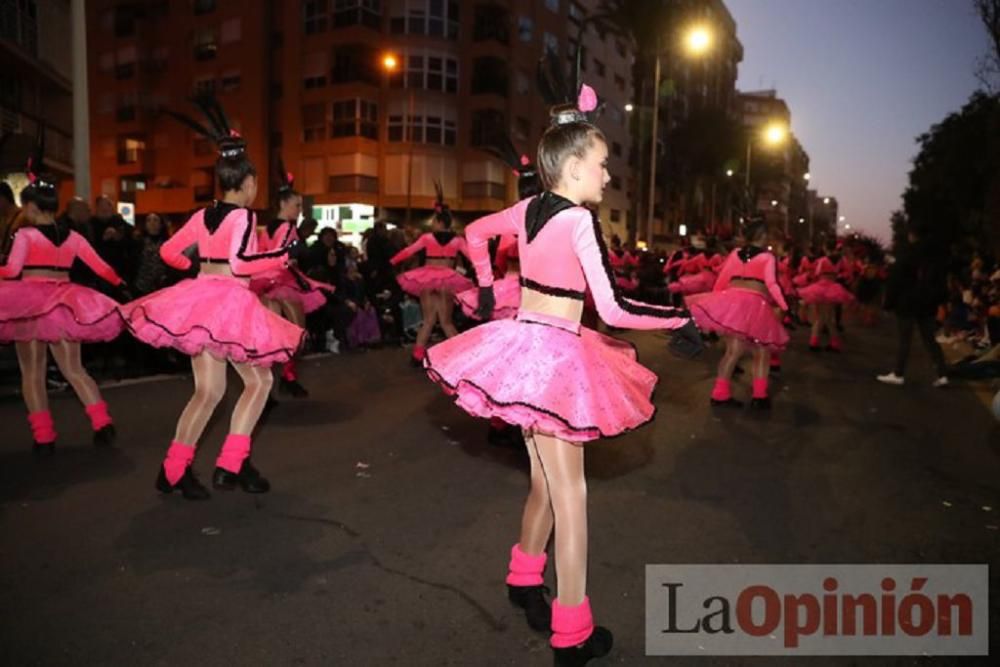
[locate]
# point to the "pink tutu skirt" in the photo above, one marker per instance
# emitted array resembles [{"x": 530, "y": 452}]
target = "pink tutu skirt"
[
  {"x": 55, "y": 310},
  {"x": 736, "y": 311},
  {"x": 214, "y": 314},
  {"x": 506, "y": 294},
  {"x": 825, "y": 291},
  {"x": 443, "y": 278},
  {"x": 787, "y": 286},
  {"x": 695, "y": 283},
  {"x": 281, "y": 285},
  {"x": 801, "y": 279},
  {"x": 545, "y": 374}
]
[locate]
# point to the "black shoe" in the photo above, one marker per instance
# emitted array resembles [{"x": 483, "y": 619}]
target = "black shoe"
[
  {"x": 815, "y": 348},
  {"x": 293, "y": 388},
  {"x": 760, "y": 403},
  {"x": 248, "y": 479},
  {"x": 738, "y": 370},
  {"x": 774, "y": 370},
  {"x": 831, "y": 348},
  {"x": 188, "y": 485},
  {"x": 416, "y": 363},
  {"x": 105, "y": 437},
  {"x": 728, "y": 403},
  {"x": 536, "y": 608},
  {"x": 508, "y": 436},
  {"x": 43, "y": 449},
  {"x": 598, "y": 644}
]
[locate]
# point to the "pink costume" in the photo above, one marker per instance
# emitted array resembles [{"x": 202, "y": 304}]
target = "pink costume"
[
  {"x": 506, "y": 290},
  {"x": 805, "y": 273},
  {"x": 622, "y": 263},
  {"x": 697, "y": 276},
  {"x": 438, "y": 245},
  {"x": 49, "y": 308},
  {"x": 285, "y": 283},
  {"x": 826, "y": 289},
  {"x": 785, "y": 276},
  {"x": 543, "y": 372},
  {"x": 743, "y": 311},
  {"x": 216, "y": 313}
]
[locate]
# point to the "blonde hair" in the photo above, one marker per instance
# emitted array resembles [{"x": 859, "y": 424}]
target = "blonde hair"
[{"x": 559, "y": 143}]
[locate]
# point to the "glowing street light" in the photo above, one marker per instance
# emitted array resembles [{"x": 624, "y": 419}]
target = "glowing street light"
[
  {"x": 629, "y": 107},
  {"x": 390, "y": 62},
  {"x": 774, "y": 202},
  {"x": 807, "y": 176},
  {"x": 775, "y": 134},
  {"x": 826, "y": 200},
  {"x": 698, "y": 40},
  {"x": 729, "y": 172}
]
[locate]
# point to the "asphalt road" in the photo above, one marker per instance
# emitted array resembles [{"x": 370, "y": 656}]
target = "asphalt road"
[{"x": 386, "y": 536}]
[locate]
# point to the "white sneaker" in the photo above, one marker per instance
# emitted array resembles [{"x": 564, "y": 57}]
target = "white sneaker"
[
  {"x": 940, "y": 382},
  {"x": 891, "y": 378}
]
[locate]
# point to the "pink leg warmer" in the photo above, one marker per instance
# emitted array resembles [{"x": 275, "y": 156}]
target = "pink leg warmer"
[
  {"x": 289, "y": 372},
  {"x": 722, "y": 391},
  {"x": 836, "y": 343},
  {"x": 419, "y": 352},
  {"x": 760, "y": 387},
  {"x": 525, "y": 569},
  {"x": 234, "y": 450},
  {"x": 179, "y": 457},
  {"x": 98, "y": 413},
  {"x": 43, "y": 429},
  {"x": 571, "y": 626},
  {"x": 814, "y": 341}
]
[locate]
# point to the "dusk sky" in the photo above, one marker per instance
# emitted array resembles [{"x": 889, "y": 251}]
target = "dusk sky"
[{"x": 863, "y": 79}]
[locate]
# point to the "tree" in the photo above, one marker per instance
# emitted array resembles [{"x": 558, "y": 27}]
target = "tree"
[
  {"x": 955, "y": 181},
  {"x": 989, "y": 65}
]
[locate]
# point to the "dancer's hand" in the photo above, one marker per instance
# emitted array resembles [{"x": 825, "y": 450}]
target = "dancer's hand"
[
  {"x": 486, "y": 303},
  {"x": 686, "y": 342}
]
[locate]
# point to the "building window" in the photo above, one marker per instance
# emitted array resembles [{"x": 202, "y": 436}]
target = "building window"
[
  {"x": 431, "y": 124},
  {"x": 204, "y": 86},
  {"x": 354, "y": 63},
  {"x": 435, "y": 18},
  {"x": 620, "y": 83},
  {"x": 355, "y": 118},
  {"x": 314, "y": 15},
  {"x": 522, "y": 128},
  {"x": 492, "y": 22},
  {"x": 353, "y": 183},
  {"x": 357, "y": 12},
  {"x": 127, "y": 108},
  {"x": 551, "y": 43},
  {"x": 314, "y": 122},
  {"x": 553, "y": 5},
  {"x": 620, "y": 48},
  {"x": 489, "y": 76},
  {"x": 599, "y": 67},
  {"x": 230, "y": 81},
  {"x": 485, "y": 123},
  {"x": 124, "y": 21},
  {"x": 205, "y": 46},
  {"x": 130, "y": 149},
  {"x": 427, "y": 70},
  {"x": 525, "y": 28},
  {"x": 484, "y": 189},
  {"x": 311, "y": 82},
  {"x": 204, "y": 6}
]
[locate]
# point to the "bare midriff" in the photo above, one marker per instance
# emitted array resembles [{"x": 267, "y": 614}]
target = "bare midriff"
[
  {"x": 45, "y": 274},
  {"x": 751, "y": 285},
  {"x": 219, "y": 270},
  {"x": 554, "y": 306},
  {"x": 441, "y": 261}
]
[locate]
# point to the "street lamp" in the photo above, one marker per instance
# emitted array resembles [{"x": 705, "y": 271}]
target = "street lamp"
[
  {"x": 697, "y": 41},
  {"x": 629, "y": 107},
  {"x": 807, "y": 176},
  {"x": 390, "y": 63}
]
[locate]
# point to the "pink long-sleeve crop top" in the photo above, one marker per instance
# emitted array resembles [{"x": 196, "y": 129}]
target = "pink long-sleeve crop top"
[
  {"x": 562, "y": 253},
  {"x": 224, "y": 234},
  {"x": 438, "y": 245},
  {"x": 506, "y": 251},
  {"x": 53, "y": 247},
  {"x": 277, "y": 235},
  {"x": 752, "y": 263},
  {"x": 826, "y": 267}
]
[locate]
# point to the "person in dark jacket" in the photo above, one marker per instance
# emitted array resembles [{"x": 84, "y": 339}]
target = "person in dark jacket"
[
  {"x": 917, "y": 285},
  {"x": 114, "y": 239}
]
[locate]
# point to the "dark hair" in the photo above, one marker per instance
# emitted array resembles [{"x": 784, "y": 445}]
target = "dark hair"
[
  {"x": 559, "y": 143},
  {"x": 755, "y": 230},
  {"x": 830, "y": 245},
  {"x": 286, "y": 193},
  {"x": 6, "y": 192},
  {"x": 233, "y": 166},
  {"x": 42, "y": 193}
]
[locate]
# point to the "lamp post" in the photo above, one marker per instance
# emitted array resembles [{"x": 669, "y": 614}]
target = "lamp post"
[{"x": 391, "y": 64}]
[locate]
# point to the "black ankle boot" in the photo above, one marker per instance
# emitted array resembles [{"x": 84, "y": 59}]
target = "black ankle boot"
[
  {"x": 598, "y": 644},
  {"x": 248, "y": 479},
  {"x": 728, "y": 403},
  {"x": 105, "y": 437},
  {"x": 43, "y": 449},
  {"x": 293, "y": 388},
  {"x": 536, "y": 608},
  {"x": 760, "y": 403},
  {"x": 188, "y": 485}
]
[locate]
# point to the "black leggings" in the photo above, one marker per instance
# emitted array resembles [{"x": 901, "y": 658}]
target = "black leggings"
[{"x": 926, "y": 326}]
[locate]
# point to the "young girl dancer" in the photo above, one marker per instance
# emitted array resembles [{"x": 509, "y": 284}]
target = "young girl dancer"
[
  {"x": 824, "y": 295},
  {"x": 562, "y": 383},
  {"x": 41, "y": 310},
  {"x": 436, "y": 282},
  {"x": 741, "y": 309},
  {"x": 216, "y": 319},
  {"x": 285, "y": 290}
]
